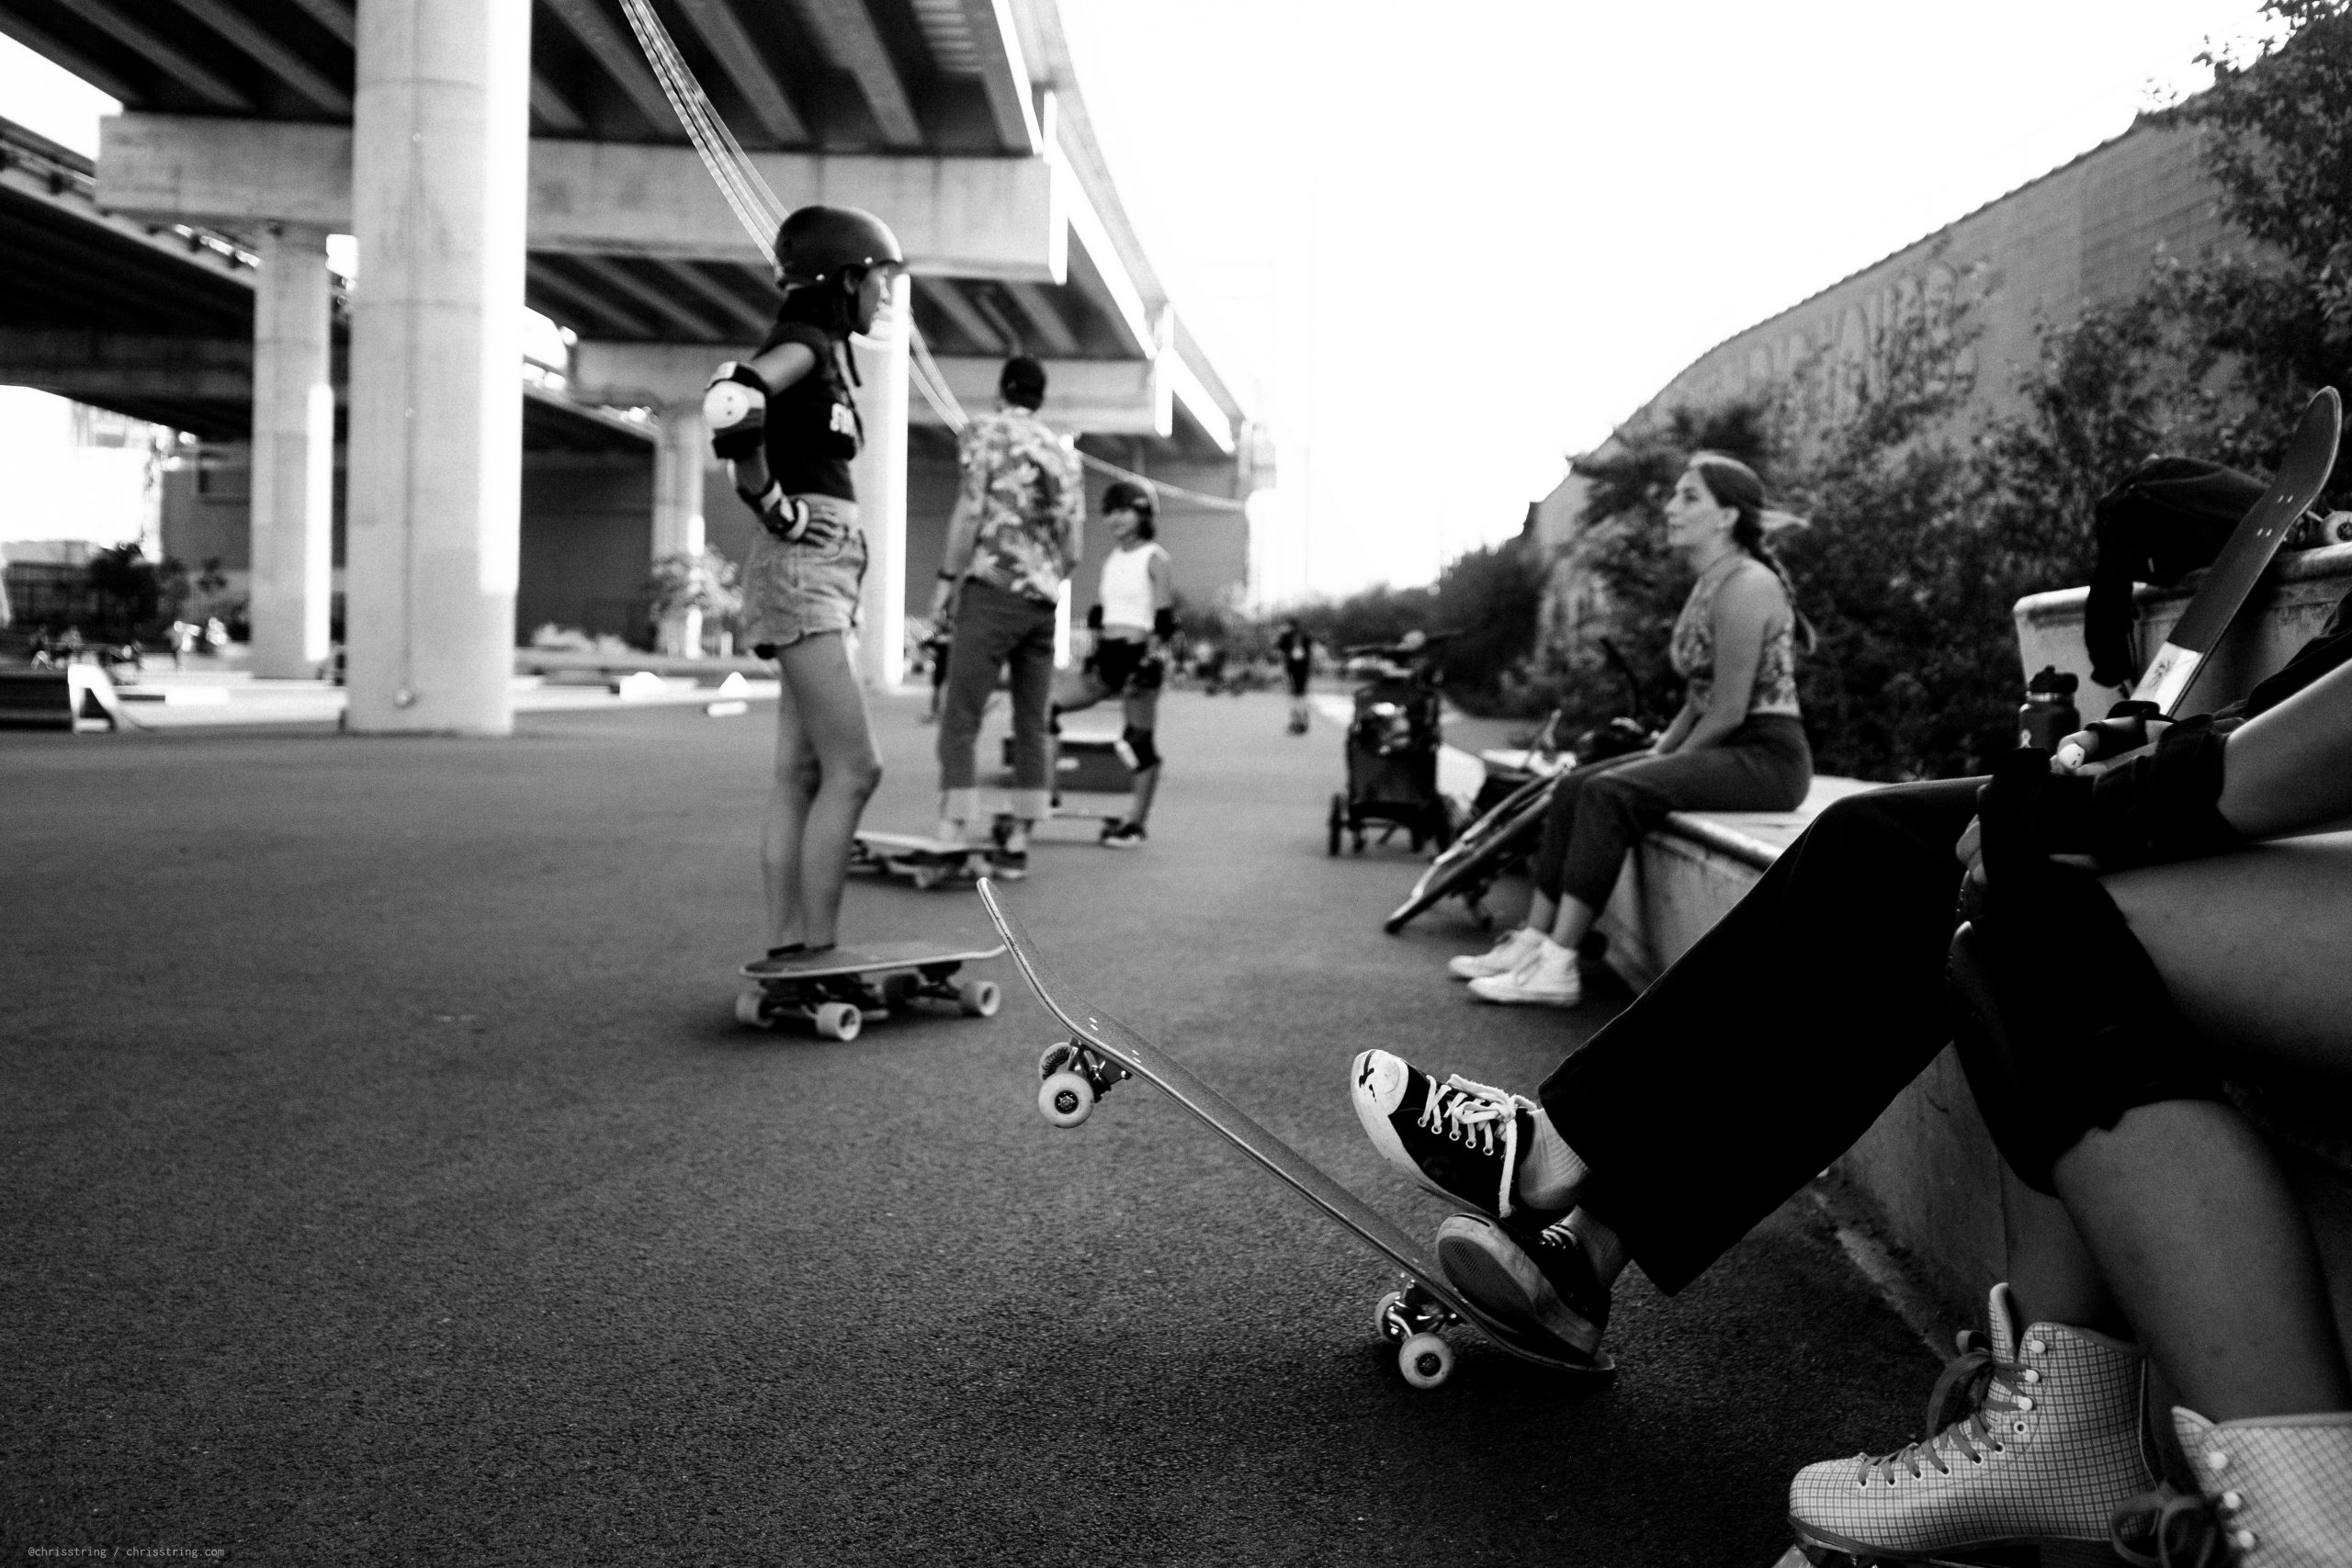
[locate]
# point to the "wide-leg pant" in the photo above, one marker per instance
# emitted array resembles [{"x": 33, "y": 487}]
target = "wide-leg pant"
[
  {"x": 994, "y": 628},
  {"x": 1775, "y": 1042},
  {"x": 1600, "y": 811}
]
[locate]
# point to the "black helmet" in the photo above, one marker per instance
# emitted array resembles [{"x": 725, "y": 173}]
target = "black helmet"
[
  {"x": 1133, "y": 497},
  {"x": 814, "y": 242}
]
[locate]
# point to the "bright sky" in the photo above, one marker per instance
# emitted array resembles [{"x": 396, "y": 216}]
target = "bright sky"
[
  {"x": 1459, "y": 242},
  {"x": 1450, "y": 245}
]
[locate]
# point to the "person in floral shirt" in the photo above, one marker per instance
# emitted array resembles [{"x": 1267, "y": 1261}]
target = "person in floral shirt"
[{"x": 1017, "y": 531}]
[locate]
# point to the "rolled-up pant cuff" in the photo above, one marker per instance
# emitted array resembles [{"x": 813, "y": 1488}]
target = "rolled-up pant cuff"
[{"x": 960, "y": 805}]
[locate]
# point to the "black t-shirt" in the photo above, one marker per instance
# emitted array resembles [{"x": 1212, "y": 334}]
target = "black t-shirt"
[
  {"x": 1298, "y": 648},
  {"x": 812, "y": 429}
]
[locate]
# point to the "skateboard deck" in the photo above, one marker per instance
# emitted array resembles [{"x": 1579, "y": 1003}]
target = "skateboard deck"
[
  {"x": 924, "y": 862},
  {"x": 2231, "y": 580},
  {"x": 1103, "y": 1051},
  {"x": 793, "y": 988}
]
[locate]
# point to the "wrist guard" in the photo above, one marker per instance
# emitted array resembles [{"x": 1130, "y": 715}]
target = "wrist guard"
[
  {"x": 785, "y": 516},
  {"x": 1163, "y": 624},
  {"x": 735, "y": 406},
  {"x": 2162, "y": 807}
]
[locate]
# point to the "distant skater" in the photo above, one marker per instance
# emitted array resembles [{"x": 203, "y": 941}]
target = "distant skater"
[
  {"x": 1016, "y": 533},
  {"x": 1132, "y": 620},
  {"x": 1297, "y": 652},
  {"x": 785, "y": 422}
]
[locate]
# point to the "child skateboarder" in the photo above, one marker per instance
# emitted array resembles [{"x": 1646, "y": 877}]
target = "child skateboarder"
[{"x": 1131, "y": 619}]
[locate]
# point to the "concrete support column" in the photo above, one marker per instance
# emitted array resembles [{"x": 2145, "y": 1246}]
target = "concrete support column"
[
  {"x": 440, "y": 147},
  {"x": 293, "y": 473},
  {"x": 880, "y": 474},
  {"x": 679, "y": 456}
]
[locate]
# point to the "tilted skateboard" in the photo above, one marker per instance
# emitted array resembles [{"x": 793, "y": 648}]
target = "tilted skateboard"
[
  {"x": 792, "y": 988},
  {"x": 924, "y": 862},
  {"x": 2231, "y": 580},
  {"x": 1102, "y": 1051}
]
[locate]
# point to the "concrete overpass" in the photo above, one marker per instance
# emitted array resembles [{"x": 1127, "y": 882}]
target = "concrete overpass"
[{"x": 490, "y": 154}]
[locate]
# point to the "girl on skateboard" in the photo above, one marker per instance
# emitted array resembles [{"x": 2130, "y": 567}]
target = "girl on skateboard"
[
  {"x": 785, "y": 422},
  {"x": 1133, "y": 618}
]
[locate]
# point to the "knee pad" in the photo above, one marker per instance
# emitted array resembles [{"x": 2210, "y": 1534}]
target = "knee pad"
[
  {"x": 1139, "y": 742},
  {"x": 2048, "y": 1057}
]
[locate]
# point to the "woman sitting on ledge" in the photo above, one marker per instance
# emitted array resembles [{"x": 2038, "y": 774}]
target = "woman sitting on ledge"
[{"x": 1738, "y": 744}]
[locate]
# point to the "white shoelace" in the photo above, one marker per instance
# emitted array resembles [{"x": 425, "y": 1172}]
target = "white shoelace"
[{"x": 1481, "y": 1116}]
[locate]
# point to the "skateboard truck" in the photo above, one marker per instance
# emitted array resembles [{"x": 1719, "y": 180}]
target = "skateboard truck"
[
  {"x": 1076, "y": 1077},
  {"x": 1410, "y": 1318}
]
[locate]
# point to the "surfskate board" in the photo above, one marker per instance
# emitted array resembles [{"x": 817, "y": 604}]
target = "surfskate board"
[
  {"x": 889, "y": 974},
  {"x": 926, "y": 863},
  {"x": 1102, "y": 1053},
  {"x": 2230, "y": 581}
]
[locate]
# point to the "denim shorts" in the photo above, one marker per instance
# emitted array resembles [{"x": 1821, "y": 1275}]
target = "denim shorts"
[{"x": 808, "y": 587}]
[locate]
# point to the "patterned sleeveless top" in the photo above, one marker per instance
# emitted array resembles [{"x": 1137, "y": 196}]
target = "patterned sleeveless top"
[{"x": 1692, "y": 649}]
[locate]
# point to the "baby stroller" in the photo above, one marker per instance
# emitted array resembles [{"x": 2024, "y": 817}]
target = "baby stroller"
[{"x": 1392, "y": 744}]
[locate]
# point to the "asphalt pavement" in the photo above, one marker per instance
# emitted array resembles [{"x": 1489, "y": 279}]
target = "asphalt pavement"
[{"x": 387, "y": 1180}]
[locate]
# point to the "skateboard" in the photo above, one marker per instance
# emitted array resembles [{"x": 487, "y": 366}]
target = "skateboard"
[
  {"x": 2231, "y": 580},
  {"x": 924, "y": 862},
  {"x": 1102, "y": 1051},
  {"x": 908, "y": 970}
]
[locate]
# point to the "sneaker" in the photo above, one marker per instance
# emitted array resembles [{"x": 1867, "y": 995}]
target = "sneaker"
[
  {"x": 1008, "y": 865},
  {"x": 1510, "y": 950},
  {"x": 1457, "y": 1138},
  {"x": 1537, "y": 1282},
  {"x": 1124, "y": 835},
  {"x": 1545, "y": 977},
  {"x": 2271, "y": 1491},
  {"x": 2052, "y": 1446}
]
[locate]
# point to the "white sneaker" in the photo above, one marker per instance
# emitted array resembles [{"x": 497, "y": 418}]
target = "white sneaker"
[
  {"x": 1510, "y": 950},
  {"x": 1546, "y": 977}
]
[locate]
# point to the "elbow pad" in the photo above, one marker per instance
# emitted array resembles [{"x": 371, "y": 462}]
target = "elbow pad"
[
  {"x": 1094, "y": 618},
  {"x": 1163, "y": 624},
  {"x": 735, "y": 406}
]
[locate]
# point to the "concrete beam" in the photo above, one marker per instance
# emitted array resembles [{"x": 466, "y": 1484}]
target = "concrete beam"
[
  {"x": 846, "y": 29},
  {"x": 1085, "y": 397},
  {"x": 1002, "y": 218},
  {"x": 99, "y": 365},
  {"x": 158, "y": 51},
  {"x": 1004, "y": 74},
  {"x": 742, "y": 58},
  {"x": 258, "y": 44}
]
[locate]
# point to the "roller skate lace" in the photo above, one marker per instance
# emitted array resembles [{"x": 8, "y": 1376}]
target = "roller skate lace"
[
  {"x": 1996, "y": 1388},
  {"x": 2170, "y": 1528},
  {"x": 1480, "y": 1116}
]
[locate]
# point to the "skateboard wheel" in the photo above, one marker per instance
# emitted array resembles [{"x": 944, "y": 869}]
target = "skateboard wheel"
[
  {"x": 1426, "y": 1361},
  {"x": 751, "y": 1007},
  {"x": 840, "y": 1021},
  {"x": 1391, "y": 1328},
  {"x": 1055, "y": 1058},
  {"x": 925, "y": 878},
  {"x": 1065, "y": 1098},
  {"x": 899, "y": 990},
  {"x": 978, "y": 998}
]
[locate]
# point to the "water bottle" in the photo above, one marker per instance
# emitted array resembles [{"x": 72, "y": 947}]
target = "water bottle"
[{"x": 2048, "y": 715}]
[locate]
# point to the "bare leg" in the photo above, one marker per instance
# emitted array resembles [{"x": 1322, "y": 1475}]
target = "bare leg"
[
  {"x": 2289, "y": 770},
  {"x": 1146, "y": 785},
  {"x": 2192, "y": 1219},
  {"x": 1570, "y": 922},
  {"x": 830, "y": 712},
  {"x": 2052, "y": 1274},
  {"x": 782, "y": 828},
  {"x": 1540, "y": 911}
]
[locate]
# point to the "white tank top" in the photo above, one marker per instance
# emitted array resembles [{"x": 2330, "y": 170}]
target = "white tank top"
[{"x": 1127, "y": 598}]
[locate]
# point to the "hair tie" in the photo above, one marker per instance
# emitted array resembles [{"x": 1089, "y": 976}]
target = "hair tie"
[{"x": 1772, "y": 520}]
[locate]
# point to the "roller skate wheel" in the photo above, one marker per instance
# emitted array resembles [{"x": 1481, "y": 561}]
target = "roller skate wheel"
[
  {"x": 1426, "y": 1361},
  {"x": 751, "y": 1007},
  {"x": 1390, "y": 1326},
  {"x": 840, "y": 1021},
  {"x": 978, "y": 998},
  {"x": 1065, "y": 1098}
]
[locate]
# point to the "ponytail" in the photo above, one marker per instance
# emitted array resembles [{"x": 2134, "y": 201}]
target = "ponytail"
[{"x": 1734, "y": 484}]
